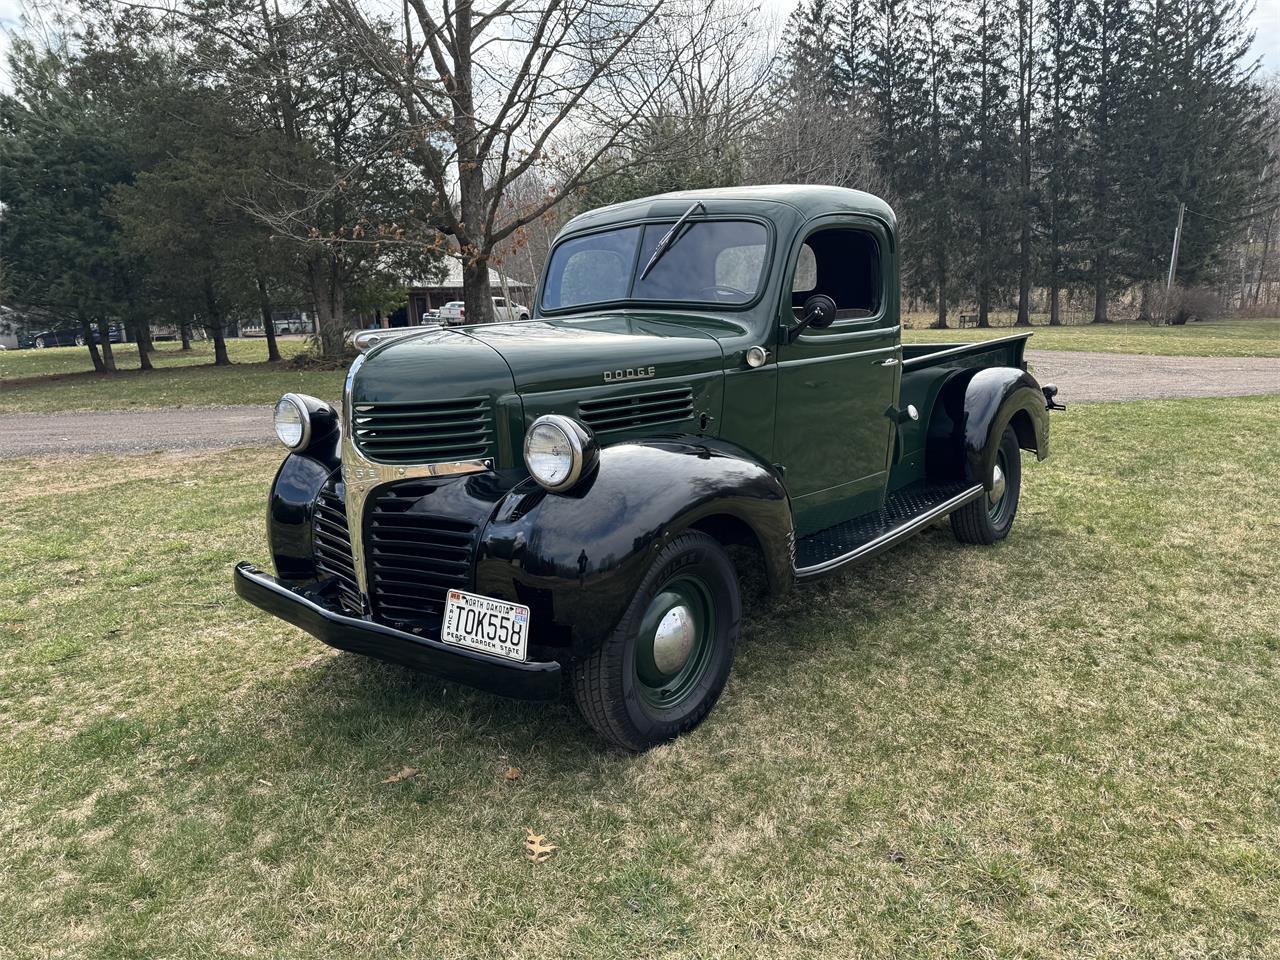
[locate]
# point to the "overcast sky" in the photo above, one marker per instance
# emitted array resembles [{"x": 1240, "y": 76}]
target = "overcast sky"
[{"x": 1266, "y": 24}]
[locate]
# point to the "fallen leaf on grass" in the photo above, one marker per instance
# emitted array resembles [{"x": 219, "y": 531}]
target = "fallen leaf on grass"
[
  {"x": 536, "y": 848},
  {"x": 404, "y": 774},
  {"x": 513, "y": 773}
]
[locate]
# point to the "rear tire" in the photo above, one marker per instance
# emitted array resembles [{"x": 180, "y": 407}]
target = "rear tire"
[
  {"x": 40, "y": 344},
  {"x": 662, "y": 669},
  {"x": 990, "y": 518}
]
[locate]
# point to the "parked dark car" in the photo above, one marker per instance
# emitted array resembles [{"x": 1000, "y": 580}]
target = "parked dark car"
[{"x": 67, "y": 337}]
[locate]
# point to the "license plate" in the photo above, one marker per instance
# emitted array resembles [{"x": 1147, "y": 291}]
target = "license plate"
[{"x": 485, "y": 624}]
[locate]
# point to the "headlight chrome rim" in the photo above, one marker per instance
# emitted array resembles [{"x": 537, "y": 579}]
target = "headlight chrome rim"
[
  {"x": 582, "y": 447},
  {"x": 304, "y": 416}
]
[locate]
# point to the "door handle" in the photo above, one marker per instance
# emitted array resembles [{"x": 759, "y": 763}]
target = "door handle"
[{"x": 891, "y": 362}]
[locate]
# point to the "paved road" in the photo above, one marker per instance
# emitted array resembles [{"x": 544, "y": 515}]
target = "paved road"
[{"x": 1081, "y": 378}]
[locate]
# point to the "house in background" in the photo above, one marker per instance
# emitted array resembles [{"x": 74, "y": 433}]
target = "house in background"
[{"x": 426, "y": 298}]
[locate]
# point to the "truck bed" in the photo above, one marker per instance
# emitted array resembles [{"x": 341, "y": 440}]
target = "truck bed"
[{"x": 1000, "y": 352}]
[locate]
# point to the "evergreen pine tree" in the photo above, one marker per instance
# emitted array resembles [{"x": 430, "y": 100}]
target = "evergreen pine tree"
[
  {"x": 1109, "y": 41},
  {"x": 1057, "y": 135},
  {"x": 985, "y": 112}
]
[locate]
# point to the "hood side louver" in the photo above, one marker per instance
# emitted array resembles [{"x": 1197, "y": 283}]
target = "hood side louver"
[
  {"x": 433, "y": 431},
  {"x": 637, "y": 410}
]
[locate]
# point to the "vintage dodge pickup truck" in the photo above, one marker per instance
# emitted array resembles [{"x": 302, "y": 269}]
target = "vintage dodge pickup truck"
[{"x": 515, "y": 504}]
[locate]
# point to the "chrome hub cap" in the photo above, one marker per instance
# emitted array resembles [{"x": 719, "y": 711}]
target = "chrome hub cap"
[
  {"x": 674, "y": 642},
  {"x": 673, "y": 639},
  {"x": 997, "y": 486}
]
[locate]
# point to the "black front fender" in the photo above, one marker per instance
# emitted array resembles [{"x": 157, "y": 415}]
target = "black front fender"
[
  {"x": 993, "y": 399},
  {"x": 292, "y": 505},
  {"x": 577, "y": 558}
]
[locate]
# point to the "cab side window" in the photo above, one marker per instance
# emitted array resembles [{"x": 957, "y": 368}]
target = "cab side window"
[{"x": 843, "y": 264}]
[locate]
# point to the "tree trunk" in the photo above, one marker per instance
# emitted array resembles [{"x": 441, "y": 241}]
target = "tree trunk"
[
  {"x": 86, "y": 331},
  {"x": 1024, "y": 276},
  {"x": 1055, "y": 307},
  {"x": 184, "y": 331},
  {"x": 941, "y": 281},
  {"x": 1100, "y": 290},
  {"x": 475, "y": 290},
  {"x": 1262, "y": 260},
  {"x": 268, "y": 325},
  {"x": 142, "y": 333},
  {"x": 104, "y": 335},
  {"x": 327, "y": 293},
  {"x": 220, "y": 358},
  {"x": 1026, "y": 77},
  {"x": 214, "y": 324}
]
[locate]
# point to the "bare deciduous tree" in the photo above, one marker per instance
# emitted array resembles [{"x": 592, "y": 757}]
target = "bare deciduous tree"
[{"x": 492, "y": 94}]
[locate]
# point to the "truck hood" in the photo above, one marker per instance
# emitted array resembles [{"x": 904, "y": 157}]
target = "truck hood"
[
  {"x": 535, "y": 357},
  {"x": 587, "y": 352}
]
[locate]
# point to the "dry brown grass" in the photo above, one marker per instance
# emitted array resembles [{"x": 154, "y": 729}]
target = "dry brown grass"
[{"x": 1065, "y": 746}]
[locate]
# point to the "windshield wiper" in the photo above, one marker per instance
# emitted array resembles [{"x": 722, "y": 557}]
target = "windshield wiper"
[{"x": 669, "y": 239}]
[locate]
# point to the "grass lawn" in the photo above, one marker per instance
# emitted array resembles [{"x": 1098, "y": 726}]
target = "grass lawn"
[
  {"x": 61, "y": 378},
  {"x": 1221, "y": 338},
  {"x": 1065, "y": 746}
]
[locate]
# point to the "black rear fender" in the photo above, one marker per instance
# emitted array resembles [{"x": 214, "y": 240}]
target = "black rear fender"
[{"x": 993, "y": 400}]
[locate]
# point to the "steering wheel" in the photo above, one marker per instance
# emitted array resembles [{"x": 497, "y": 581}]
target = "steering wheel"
[{"x": 718, "y": 288}]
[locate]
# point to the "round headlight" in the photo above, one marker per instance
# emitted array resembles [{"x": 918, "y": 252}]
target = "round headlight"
[
  {"x": 558, "y": 451},
  {"x": 293, "y": 422}
]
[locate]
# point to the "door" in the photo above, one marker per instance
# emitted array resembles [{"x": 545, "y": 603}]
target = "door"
[{"x": 836, "y": 386}]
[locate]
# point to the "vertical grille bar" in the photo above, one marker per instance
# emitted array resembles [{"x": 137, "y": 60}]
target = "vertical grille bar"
[
  {"x": 333, "y": 544},
  {"x": 414, "y": 557}
]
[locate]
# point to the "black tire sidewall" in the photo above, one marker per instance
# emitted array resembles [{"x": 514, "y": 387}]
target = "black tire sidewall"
[
  {"x": 1012, "y": 482},
  {"x": 690, "y": 554}
]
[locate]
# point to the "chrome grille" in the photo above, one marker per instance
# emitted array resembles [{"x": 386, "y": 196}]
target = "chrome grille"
[
  {"x": 333, "y": 545},
  {"x": 637, "y": 410},
  {"x": 414, "y": 557},
  {"x": 424, "y": 431}
]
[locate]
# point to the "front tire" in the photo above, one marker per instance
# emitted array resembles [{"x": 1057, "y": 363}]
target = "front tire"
[
  {"x": 990, "y": 517},
  {"x": 40, "y": 343},
  {"x": 662, "y": 669}
]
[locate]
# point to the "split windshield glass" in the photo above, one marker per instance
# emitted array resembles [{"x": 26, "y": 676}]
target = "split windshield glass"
[{"x": 710, "y": 261}]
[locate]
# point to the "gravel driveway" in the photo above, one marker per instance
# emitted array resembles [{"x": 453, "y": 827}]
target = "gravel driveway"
[
  {"x": 134, "y": 431},
  {"x": 1081, "y": 378},
  {"x": 1086, "y": 377}
]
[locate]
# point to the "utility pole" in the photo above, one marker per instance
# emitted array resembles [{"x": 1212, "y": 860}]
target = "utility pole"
[{"x": 1173, "y": 263}]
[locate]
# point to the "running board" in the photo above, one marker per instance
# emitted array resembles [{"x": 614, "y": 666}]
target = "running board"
[{"x": 903, "y": 514}]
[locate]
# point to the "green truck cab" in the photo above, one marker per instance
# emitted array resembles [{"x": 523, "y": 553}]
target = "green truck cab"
[{"x": 517, "y": 505}]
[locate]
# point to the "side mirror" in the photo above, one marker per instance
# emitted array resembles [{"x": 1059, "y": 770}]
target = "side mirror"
[{"x": 819, "y": 313}]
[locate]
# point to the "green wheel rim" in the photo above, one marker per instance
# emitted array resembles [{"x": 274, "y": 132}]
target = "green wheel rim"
[
  {"x": 996, "y": 507},
  {"x": 674, "y": 646}
]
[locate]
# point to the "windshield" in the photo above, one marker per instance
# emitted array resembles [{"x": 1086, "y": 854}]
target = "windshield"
[{"x": 711, "y": 261}]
